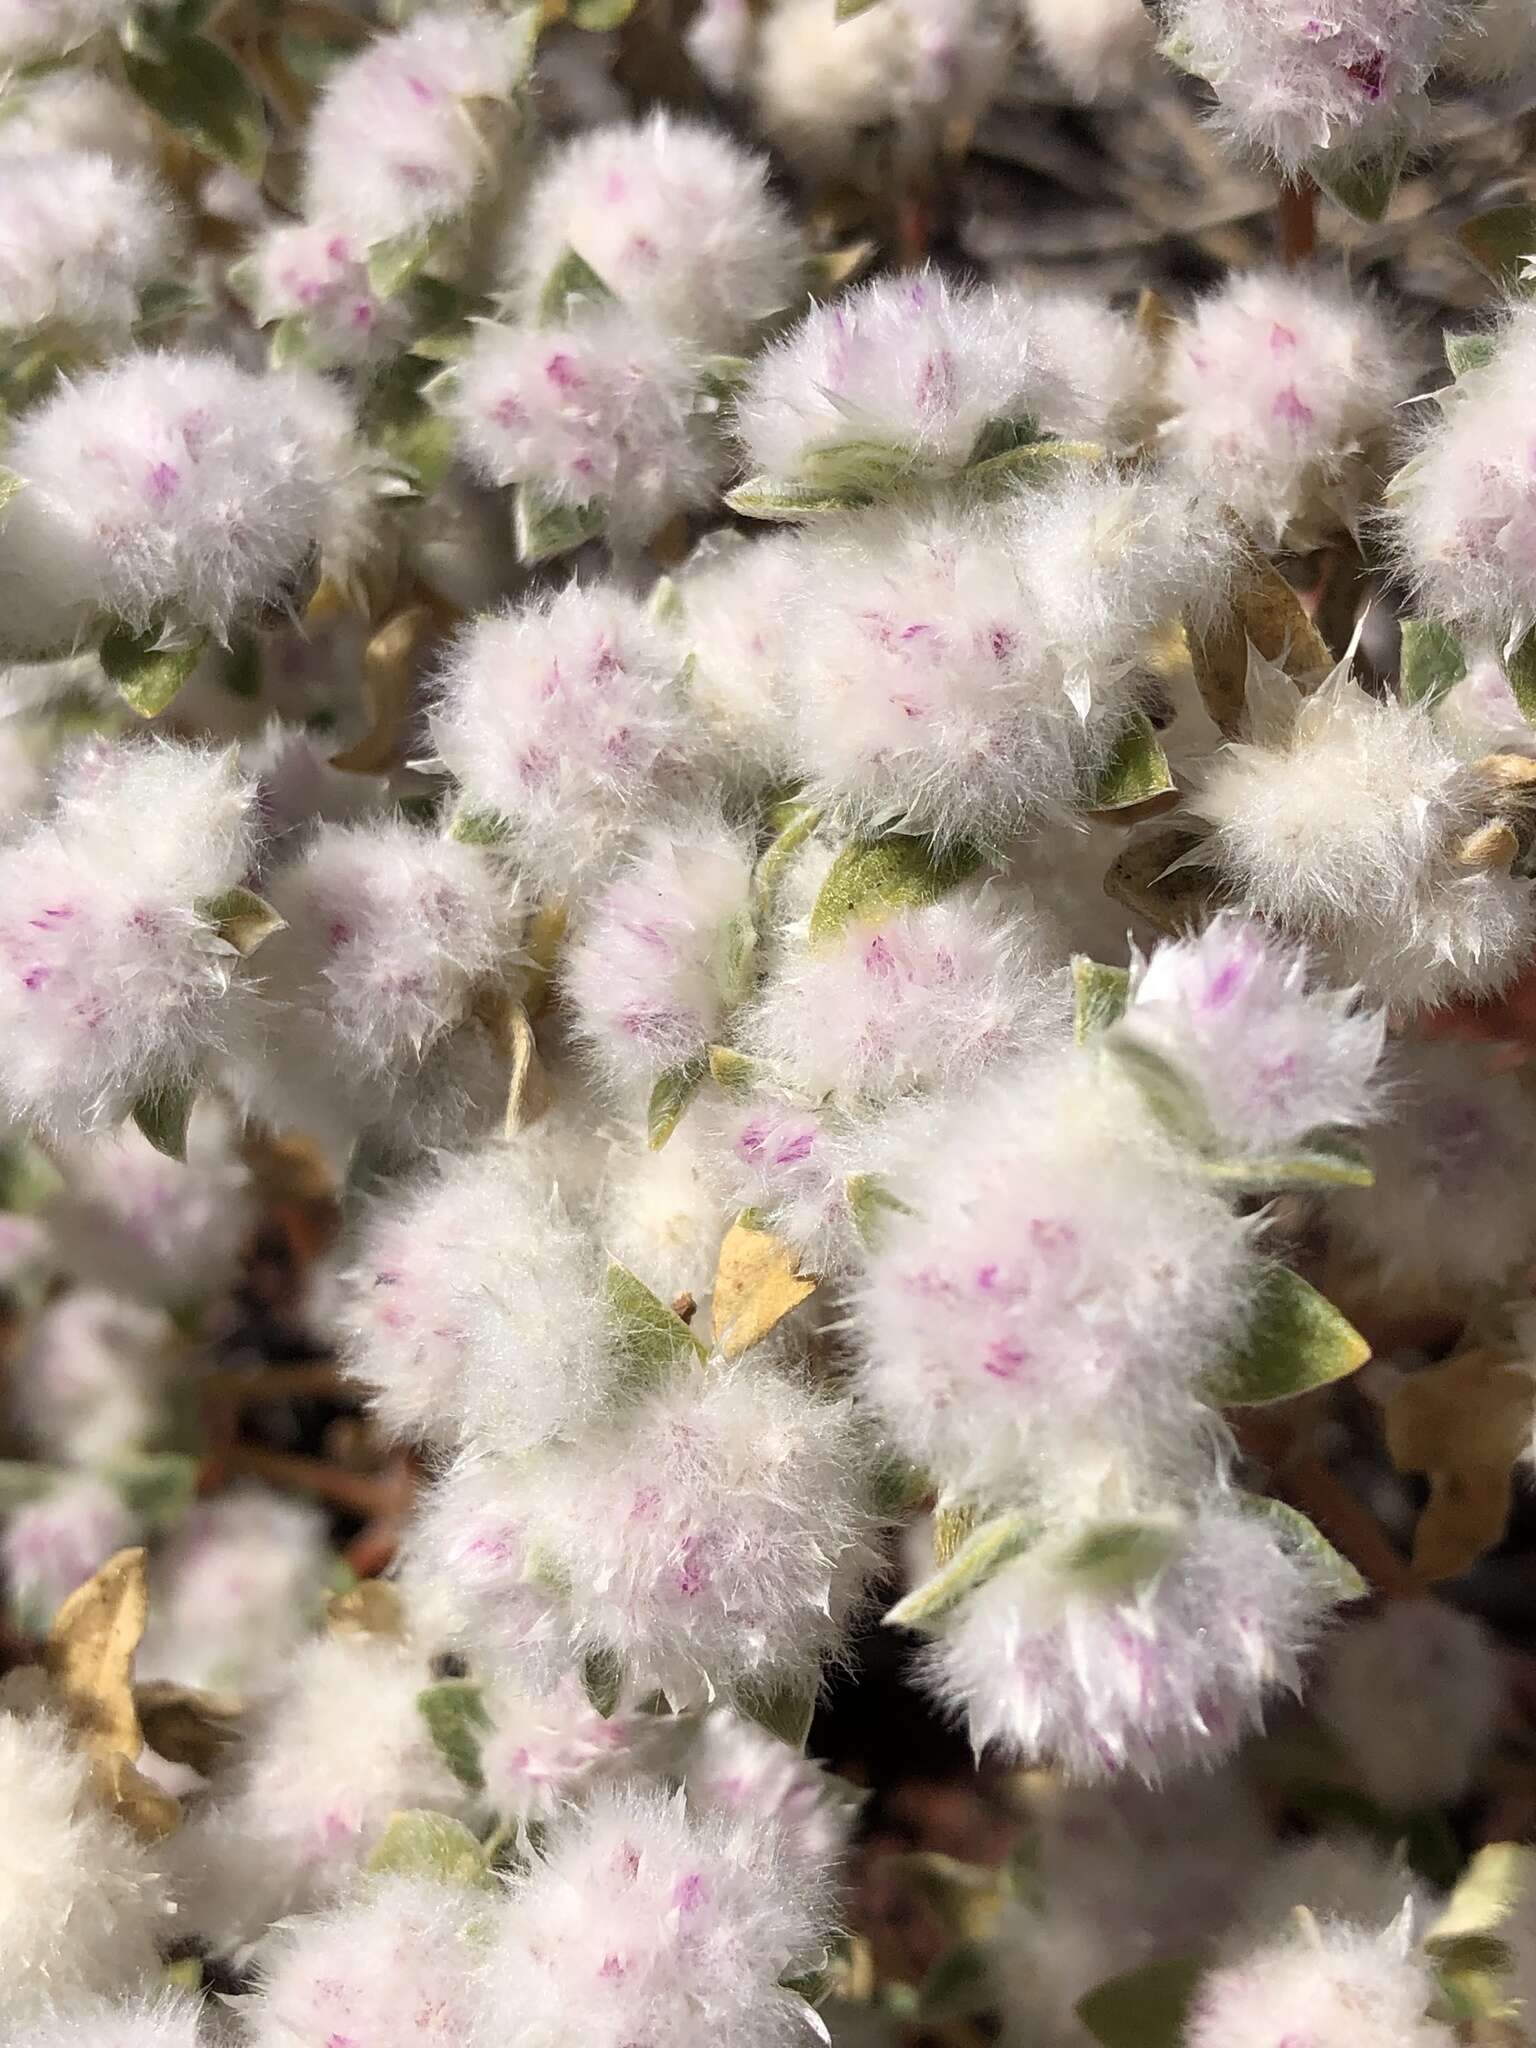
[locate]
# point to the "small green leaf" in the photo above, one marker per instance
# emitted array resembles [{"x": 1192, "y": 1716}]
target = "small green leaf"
[
  {"x": 784, "y": 1709},
  {"x": 673, "y": 1092},
  {"x": 794, "y": 823},
  {"x": 200, "y": 91},
  {"x": 653, "y": 1342},
  {"x": 735, "y": 1072},
  {"x": 870, "y": 1201},
  {"x": 572, "y": 278},
  {"x": 416, "y": 441},
  {"x": 1297, "y": 1340},
  {"x": 960, "y": 1985},
  {"x": 1433, "y": 661},
  {"x": 1500, "y": 242},
  {"x": 1100, "y": 995},
  {"x": 1307, "y": 1543},
  {"x": 243, "y": 920},
  {"x": 10, "y": 484},
  {"x": 23, "y": 1481},
  {"x": 545, "y": 528},
  {"x": 454, "y": 1711},
  {"x": 240, "y": 669},
  {"x": 733, "y": 960},
  {"x": 1002, "y": 437},
  {"x": 598, "y": 16},
  {"x": 143, "y": 671},
  {"x": 1145, "y": 2008},
  {"x": 396, "y": 263},
  {"x": 167, "y": 299},
  {"x": 602, "y": 1678},
  {"x": 1167, "y": 1093},
  {"x": 162, "y": 1114},
  {"x": 477, "y": 828},
  {"x": 1136, "y": 770},
  {"x": 721, "y": 378},
  {"x": 1363, "y": 186},
  {"x": 898, "y": 1488},
  {"x": 847, "y": 9},
  {"x": 763, "y": 497},
  {"x": 1112, "y": 1558},
  {"x": 1467, "y": 352},
  {"x": 856, "y": 471},
  {"x": 1318, "y": 1163},
  {"x": 432, "y": 1845},
  {"x": 1491, "y": 1888},
  {"x": 158, "y": 1487},
  {"x": 1520, "y": 667},
  {"x": 993, "y": 1545},
  {"x": 1031, "y": 463},
  {"x": 29, "y": 1180},
  {"x": 872, "y": 877}
]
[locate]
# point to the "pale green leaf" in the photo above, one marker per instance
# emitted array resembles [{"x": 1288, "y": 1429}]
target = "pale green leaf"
[
  {"x": 736, "y": 1072},
  {"x": 653, "y": 1342},
  {"x": 395, "y": 263},
  {"x": 602, "y": 1678},
  {"x": 572, "y": 278},
  {"x": 242, "y": 919},
  {"x": 1296, "y": 1341},
  {"x": 157, "y": 1487},
  {"x": 870, "y": 878},
  {"x": 199, "y": 90},
  {"x": 794, "y": 823},
  {"x": 472, "y": 827},
  {"x": 1500, "y": 241},
  {"x": 1500, "y": 1876},
  {"x": 1433, "y": 661},
  {"x": 764, "y": 497},
  {"x": 1031, "y": 463},
  {"x": 10, "y": 484},
  {"x": 1167, "y": 1093},
  {"x": 673, "y": 1092},
  {"x": 456, "y": 1718},
  {"x": 992, "y": 1546},
  {"x": 1115, "y": 1557},
  {"x": 430, "y": 1845},
  {"x": 870, "y": 1201},
  {"x": 1136, "y": 770},
  {"x": 733, "y": 960},
  {"x": 165, "y": 300},
  {"x": 544, "y": 528},
  {"x": 162, "y": 1114},
  {"x": 785, "y": 1709},
  {"x": 145, "y": 673},
  {"x": 1467, "y": 352},
  {"x": 1145, "y": 2008},
  {"x": 1520, "y": 667},
  {"x": 856, "y": 471},
  {"x": 1305, "y": 1542},
  {"x": 1100, "y": 995},
  {"x": 1363, "y": 186},
  {"x": 1316, "y": 1163}
]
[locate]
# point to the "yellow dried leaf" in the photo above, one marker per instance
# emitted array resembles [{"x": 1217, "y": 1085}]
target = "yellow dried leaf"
[
  {"x": 1262, "y": 610},
  {"x": 1147, "y": 877},
  {"x": 136, "y": 1800},
  {"x": 370, "y": 1608},
  {"x": 510, "y": 1029},
  {"x": 951, "y": 1528},
  {"x": 188, "y": 1726},
  {"x": 756, "y": 1286},
  {"x": 90, "y": 1651},
  {"x": 1464, "y": 1425},
  {"x": 389, "y": 670}
]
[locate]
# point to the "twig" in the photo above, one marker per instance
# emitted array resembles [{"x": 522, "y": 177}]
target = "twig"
[
  {"x": 367, "y": 1494},
  {"x": 1298, "y": 221}
]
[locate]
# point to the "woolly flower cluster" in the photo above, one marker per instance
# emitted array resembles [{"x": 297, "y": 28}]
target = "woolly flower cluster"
[
  {"x": 148, "y": 2022},
  {"x": 474, "y": 1306},
  {"x": 80, "y": 1908},
  {"x": 80, "y": 239},
  {"x": 1056, "y": 1664},
  {"x": 713, "y": 1537},
  {"x": 318, "y": 275},
  {"x": 1293, "y": 83},
  {"x": 607, "y": 410},
  {"x": 735, "y": 599},
  {"x": 172, "y": 489},
  {"x": 51, "y": 1545},
  {"x": 652, "y": 975},
  {"x": 564, "y": 722},
  {"x": 112, "y": 973},
  {"x": 393, "y": 148},
  {"x": 965, "y": 675},
  {"x": 1341, "y": 816},
  {"x": 645, "y": 1919},
  {"x": 1281, "y": 391},
  {"x": 541, "y": 1755},
  {"x": 677, "y": 221},
  {"x": 1464, "y": 509},
  {"x": 93, "y": 1378},
  {"x": 1057, "y": 1293},
  {"x": 1097, "y": 46},
  {"x": 736, "y": 1768},
  {"x": 1336, "y": 1985},
  {"x": 918, "y": 370}
]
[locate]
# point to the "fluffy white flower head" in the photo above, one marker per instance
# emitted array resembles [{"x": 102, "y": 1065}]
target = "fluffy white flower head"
[
  {"x": 675, "y": 218},
  {"x": 317, "y": 274},
  {"x": 1097, "y": 46},
  {"x": 1335, "y": 1986},
  {"x": 736, "y": 598},
  {"x": 80, "y": 238},
  {"x": 51, "y": 1545},
  {"x": 147, "y": 2022},
  {"x": 92, "y": 1381},
  {"x": 735, "y": 1767}
]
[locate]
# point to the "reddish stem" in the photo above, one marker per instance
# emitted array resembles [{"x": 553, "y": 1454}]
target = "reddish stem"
[{"x": 1298, "y": 221}]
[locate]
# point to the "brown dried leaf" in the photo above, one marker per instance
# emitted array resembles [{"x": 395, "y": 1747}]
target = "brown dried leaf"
[
  {"x": 188, "y": 1726},
  {"x": 90, "y": 1650},
  {"x": 1464, "y": 1424},
  {"x": 389, "y": 672},
  {"x": 510, "y": 1030},
  {"x": 756, "y": 1286},
  {"x": 1262, "y": 610},
  {"x": 370, "y": 1608},
  {"x": 1177, "y": 902},
  {"x": 136, "y": 1800}
]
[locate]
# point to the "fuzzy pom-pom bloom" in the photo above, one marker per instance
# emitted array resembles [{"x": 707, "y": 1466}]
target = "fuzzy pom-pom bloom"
[
  {"x": 1292, "y": 83},
  {"x": 715, "y": 1537},
  {"x": 665, "y": 951},
  {"x": 663, "y": 1216},
  {"x": 675, "y": 218},
  {"x": 736, "y": 599},
  {"x": 1056, "y": 1293},
  {"x": 1271, "y": 1059},
  {"x": 1412, "y": 1695},
  {"x": 919, "y": 369},
  {"x": 735, "y": 1767},
  {"x": 474, "y": 1306},
  {"x": 93, "y": 1379},
  {"x": 1281, "y": 391},
  {"x": 645, "y": 1921},
  {"x": 80, "y": 239},
  {"x": 80, "y": 1908},
  {"x": 1340, "y": 817},
  {"x": 172, "y": 486},
  {"x": 607, "y": 410},
  {"x": 542, "y": 1754},
  {"x": 791, "y": 1161},
  {"x": 51, "y": 1545},
  {"x": 1055, "y": 1664},
  {"x": 112, "y": 974},
  {"x": 966, "y": 676},
  {"x": 148, "y": 2022},
  {"x": 395, "y": 1967},
  {"x": 393, "y": 147},
  {"x": 1334, "y": 1986},
  {"x": 1097, "y": 46},
  {"x": 317, "y": 275},
  {"x": 566, "y": 722},
  {"x": 72, "y": 108}
]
